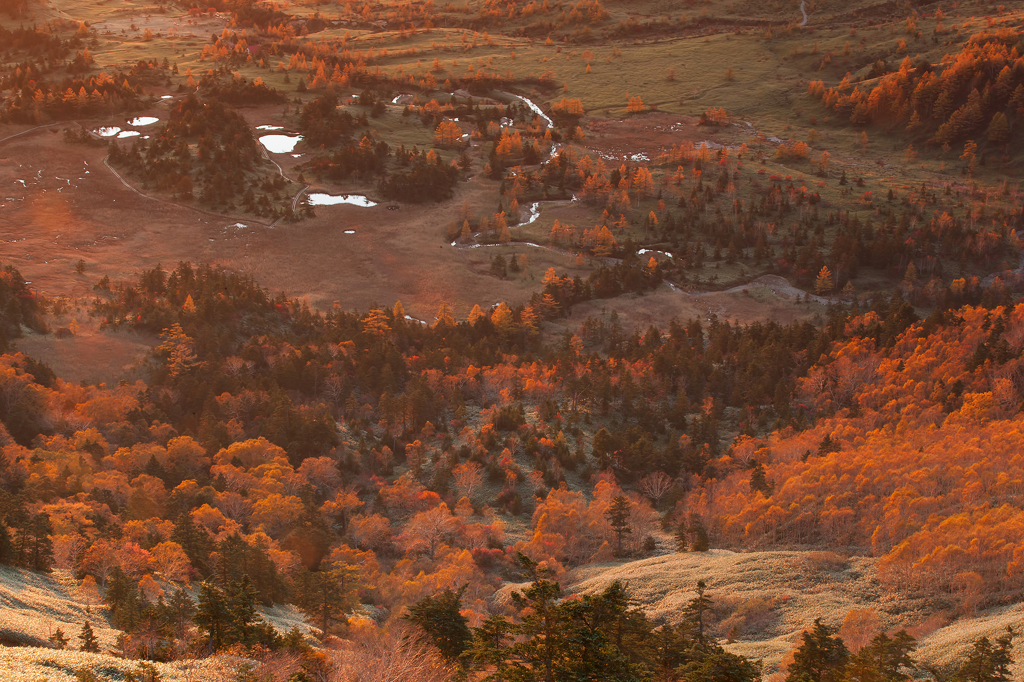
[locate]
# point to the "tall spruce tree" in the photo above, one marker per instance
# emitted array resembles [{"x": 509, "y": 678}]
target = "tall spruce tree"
[
  {"x": 241, "y": 600},
  {"x": 618, "y": 517},
  {"x": 884, "y": 659},
  {"x": 58, "y": 639},
  {"x": 694, "y": 612},
  {"x": 88, "y": 639},
  {"x": 213, "y": 615},
  {"x": 328, "y": 594}
]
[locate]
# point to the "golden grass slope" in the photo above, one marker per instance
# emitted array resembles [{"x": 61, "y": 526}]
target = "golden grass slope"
[
  {"x": 771, "y": 597},
  {"x": 34, "y": 605},
  {"x": 33, "y": 664}
]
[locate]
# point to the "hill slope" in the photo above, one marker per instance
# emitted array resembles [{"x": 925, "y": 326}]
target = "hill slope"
[{"x": 766, "y": 599}]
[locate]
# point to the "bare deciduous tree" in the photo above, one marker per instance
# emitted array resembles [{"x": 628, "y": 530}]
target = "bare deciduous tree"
[
  {"x": 395, "y": 654},
  {"x": 655, "y": 486}
]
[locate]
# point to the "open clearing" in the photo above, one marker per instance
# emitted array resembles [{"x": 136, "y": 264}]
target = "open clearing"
[
  {"x": 766, "y": 298},
  {"x": 90, "y": 355}
]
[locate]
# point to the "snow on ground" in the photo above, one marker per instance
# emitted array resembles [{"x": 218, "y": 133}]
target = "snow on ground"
[
  {"x": 321, "y": 199},
  {"x": 280, "y": 144}
]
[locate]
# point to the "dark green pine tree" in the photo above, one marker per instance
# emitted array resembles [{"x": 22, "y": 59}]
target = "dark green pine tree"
[
  {"x": 701, "y": 542},
  {"x": 669, "y": 649},
  {"x": 6, "y": 548},
  {"x": 618, "y": 517},
  {"x": 603, "y": 638},
  {"x": 540, "y": 629},
  {"x": 213, "y": 616},
  {"x": 241, "y": 606},
  {"x": 759, "y": 481},
  {"x": 718, "y": 665},
  {"x": 88, "y": 639},
  {"x": 694, "y": 613},
  {"x": 490, "y": 646},
  {"x": 125, "y": 600},
  {"x": 327, "y": 595},
  {"x": 682, "y": 537},
  {"x": 40, "y": 556},
  {"x": 440, "y": 616},
  {"x": 821, "y": 656},
  {"x": 988, "y": 662},
  {"x": 178, "y": 613},
  {"x": 194, "y": 541},
  {"x": 884, "y": 659}
]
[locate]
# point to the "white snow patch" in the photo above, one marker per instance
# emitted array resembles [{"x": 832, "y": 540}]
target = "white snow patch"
[
  {"x": 143, "y": 120},
  {"x": 321, "y": 199},
  {"x": 108, "y": 131},
  {"x": 128, "y": 133},
  {"x": 350, "y": 231},
  {"x": 269, "y": 127},
  {"x": 280, "y": 144},
  {"x": 643, "y": 251}
]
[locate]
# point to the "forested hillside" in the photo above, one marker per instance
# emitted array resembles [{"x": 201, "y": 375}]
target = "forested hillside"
[
  {"x": 277, "y": 454},
  {"x": 358, "y": 341}
]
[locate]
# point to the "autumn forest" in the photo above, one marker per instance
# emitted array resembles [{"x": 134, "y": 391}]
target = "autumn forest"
[{"x": 511, "y": 341}]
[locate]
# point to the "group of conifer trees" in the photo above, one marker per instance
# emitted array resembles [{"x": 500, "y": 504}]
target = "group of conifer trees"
[{"x": 605, "y": 636}]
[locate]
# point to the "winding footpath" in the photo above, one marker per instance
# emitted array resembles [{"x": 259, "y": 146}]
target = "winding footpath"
[{"x": 803, "y": 3}]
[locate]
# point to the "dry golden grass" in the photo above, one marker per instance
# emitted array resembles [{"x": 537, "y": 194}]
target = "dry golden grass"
[
  {"x": 773, "y": 596},
  {"x": 33, "y": 664},
  {"x": 34, "y": 605},
  {"x": 790, "y": 592}
]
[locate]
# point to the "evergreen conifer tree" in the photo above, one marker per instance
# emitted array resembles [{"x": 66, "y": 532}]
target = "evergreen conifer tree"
[
  {"x": 441, "y": 618},
  {"x": 58, "y": 639},
  {"x": 618, "y": 516},
  {"x": 821, "y": 656},
  {"x": 88, "y": 639}
]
